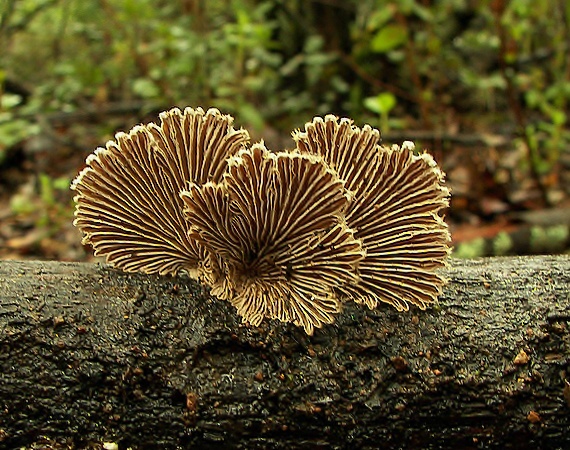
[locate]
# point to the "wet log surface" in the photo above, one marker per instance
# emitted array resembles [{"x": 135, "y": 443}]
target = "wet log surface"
[{"x": 90, "y": 355}]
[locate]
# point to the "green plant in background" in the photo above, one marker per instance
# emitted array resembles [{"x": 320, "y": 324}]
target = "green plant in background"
[
  {"x": 404, "y": 41},
  {"x": 255, "y": 66},
  {"x": 42, "y": 201},
  {"x": 39, "y": 224},
  {"x": 12, "y": 129},
  {"x": 382, "y": 104},
  {"x": 455, "y": 66},
  {"x": 506, "y": 61},
  {"x": 277, "y": 64},
  {"x": 529, "y": 34}
]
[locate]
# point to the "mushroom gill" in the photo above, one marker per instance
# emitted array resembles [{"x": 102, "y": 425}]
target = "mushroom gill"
[
  {"x": 274, "y": 232},
  {"x": 128, "y": 205},
  {"x": 396, "y": 211}
]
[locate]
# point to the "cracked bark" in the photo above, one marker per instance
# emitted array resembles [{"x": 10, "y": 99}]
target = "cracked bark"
[{"x": 89, "y": 355}]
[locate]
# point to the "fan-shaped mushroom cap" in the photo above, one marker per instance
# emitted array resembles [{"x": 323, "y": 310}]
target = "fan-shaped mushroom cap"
[
  {"x": 128, "y": 203},
  {"x": 275, "y": 227},
  {"x": 395, "y": 211},
  {"x": 196, "y": 144}
]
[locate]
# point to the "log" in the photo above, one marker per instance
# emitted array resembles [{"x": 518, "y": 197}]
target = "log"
[{"x": 90, "y": 355}]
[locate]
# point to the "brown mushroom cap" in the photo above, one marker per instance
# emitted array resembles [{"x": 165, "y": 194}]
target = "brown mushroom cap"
[
  {"x": 395, "y": 211},
  {"x": 128, "y": 203},
  {"x": 275, "y": 225}
]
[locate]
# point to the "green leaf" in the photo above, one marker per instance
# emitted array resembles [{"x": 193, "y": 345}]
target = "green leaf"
[
  {"x": 61, "y": 183},
  {"x": 145, "y": 88},
  {"x": 14, "y": 131},
  {"x": 558, "y": 116},
  {"x": 9, "y": 101},
  {"x": 389, "y": 38},
  {"x": 381, "y": 104},
  {"x": 379, "y": 17},
  {"x": 533, "y": 98}
]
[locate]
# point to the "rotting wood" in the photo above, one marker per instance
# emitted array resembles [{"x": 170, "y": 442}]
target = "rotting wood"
[{"x": 89, "y": 354}]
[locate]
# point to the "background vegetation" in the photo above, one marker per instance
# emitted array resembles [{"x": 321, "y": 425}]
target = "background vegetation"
[{"x": 485, "y": 85}]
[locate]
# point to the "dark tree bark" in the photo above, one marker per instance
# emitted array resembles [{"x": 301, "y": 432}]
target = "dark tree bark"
[{"x": 89, "y": 355}]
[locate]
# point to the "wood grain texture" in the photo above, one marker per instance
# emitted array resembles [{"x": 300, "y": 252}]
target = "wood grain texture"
[{"x": 89, "y": 354}]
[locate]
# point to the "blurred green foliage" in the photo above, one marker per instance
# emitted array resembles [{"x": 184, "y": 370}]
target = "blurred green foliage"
[{"x": 492, "y": 65}]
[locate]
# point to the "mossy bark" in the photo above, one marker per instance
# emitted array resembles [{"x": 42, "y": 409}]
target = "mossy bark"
[{"x": 89, "y": 354}]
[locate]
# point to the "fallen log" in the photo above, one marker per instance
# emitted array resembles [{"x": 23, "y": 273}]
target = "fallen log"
[{"x": 89, "y": 355}]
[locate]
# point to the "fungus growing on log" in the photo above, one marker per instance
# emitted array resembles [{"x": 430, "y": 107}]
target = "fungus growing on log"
[
  {"x": 275, "y": 224},
  {"x": 128, "y": 204},
  {"x": 396, "y": 211},
  {"x": 287, "y": 235}
]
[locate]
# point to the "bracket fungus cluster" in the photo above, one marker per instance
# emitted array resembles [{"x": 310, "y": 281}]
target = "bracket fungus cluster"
[{"x": 287, "y": 235}]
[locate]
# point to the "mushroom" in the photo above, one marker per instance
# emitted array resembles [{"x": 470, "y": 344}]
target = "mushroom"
[
  {"x": 396, "y": 211},
  {"x": 128, "y": 204},
  {"x": 274, "y": 231},
  {"x": 287, "y": 235}
]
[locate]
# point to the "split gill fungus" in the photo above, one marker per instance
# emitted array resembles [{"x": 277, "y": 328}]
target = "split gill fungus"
[{"x": 288, "y": 235}]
